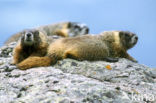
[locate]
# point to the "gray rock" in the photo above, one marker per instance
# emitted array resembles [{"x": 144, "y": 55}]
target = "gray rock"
[
  {"x": 6, "y": 51},
  {"x": 71, "y": 81}
]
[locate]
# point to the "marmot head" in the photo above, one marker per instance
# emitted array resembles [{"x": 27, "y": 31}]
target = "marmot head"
[
  {"x": 76, "y": 28},
  {"x": 128, "y": 39},
  {"x": 30, "y": 38}
]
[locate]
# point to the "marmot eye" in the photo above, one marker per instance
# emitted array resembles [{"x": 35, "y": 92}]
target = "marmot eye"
[{"x": 127, "y": 35}]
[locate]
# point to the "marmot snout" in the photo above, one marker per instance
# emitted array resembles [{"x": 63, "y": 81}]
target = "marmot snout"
[{"x": 28, "y": 37}]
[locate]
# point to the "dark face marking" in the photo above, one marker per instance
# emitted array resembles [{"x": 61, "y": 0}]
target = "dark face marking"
[
  {"x": 77, "y": 29},
  {"x": 30, "y": 38},
  {"x": 128, "y": 39}
]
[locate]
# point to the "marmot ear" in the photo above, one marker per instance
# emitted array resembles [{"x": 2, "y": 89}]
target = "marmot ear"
[{"x": 22, "y": 33}]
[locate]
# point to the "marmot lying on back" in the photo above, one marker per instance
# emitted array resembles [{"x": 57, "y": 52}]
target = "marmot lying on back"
[
  {"x": 108, "y": 46},
  {"x": 63, "y": 29}
]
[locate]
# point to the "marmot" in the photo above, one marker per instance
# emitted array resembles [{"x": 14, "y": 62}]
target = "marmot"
[
  {"x": 32, "y": 43},
  {"x": 63, "y": 29},
  {"x": 108, "y": 46}
]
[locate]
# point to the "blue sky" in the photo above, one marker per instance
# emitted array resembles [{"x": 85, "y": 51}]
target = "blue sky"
[{"x": 137, "y": 16}]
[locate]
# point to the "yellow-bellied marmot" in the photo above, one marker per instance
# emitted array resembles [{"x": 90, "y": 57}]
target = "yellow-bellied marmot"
[
  {"x": 108, "y": 46},
  {"x": 32, "y": 43},
  {"x": 63, "y": 29}
]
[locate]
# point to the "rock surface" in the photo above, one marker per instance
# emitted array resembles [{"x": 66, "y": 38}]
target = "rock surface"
[{"x": 71, "y": 81}]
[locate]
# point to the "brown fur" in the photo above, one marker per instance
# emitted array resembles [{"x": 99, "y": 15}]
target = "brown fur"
[
  {"x": 23, "y": 51},
  {"x": 107, "y": 46},
  {"x": 63, "y": 29}
]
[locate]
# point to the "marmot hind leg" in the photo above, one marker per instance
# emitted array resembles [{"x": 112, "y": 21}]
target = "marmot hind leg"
[{"x": 72, "y": 54}]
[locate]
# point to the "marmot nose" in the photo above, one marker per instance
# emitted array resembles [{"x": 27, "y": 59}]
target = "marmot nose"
[
  {"x": 87, "y": 30},
  {"x": 28, "y": 35},
  {"x": 136, "y": 38}
]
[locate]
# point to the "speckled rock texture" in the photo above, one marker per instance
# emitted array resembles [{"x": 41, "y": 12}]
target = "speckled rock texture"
[{"x": 71, "y": 81}]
